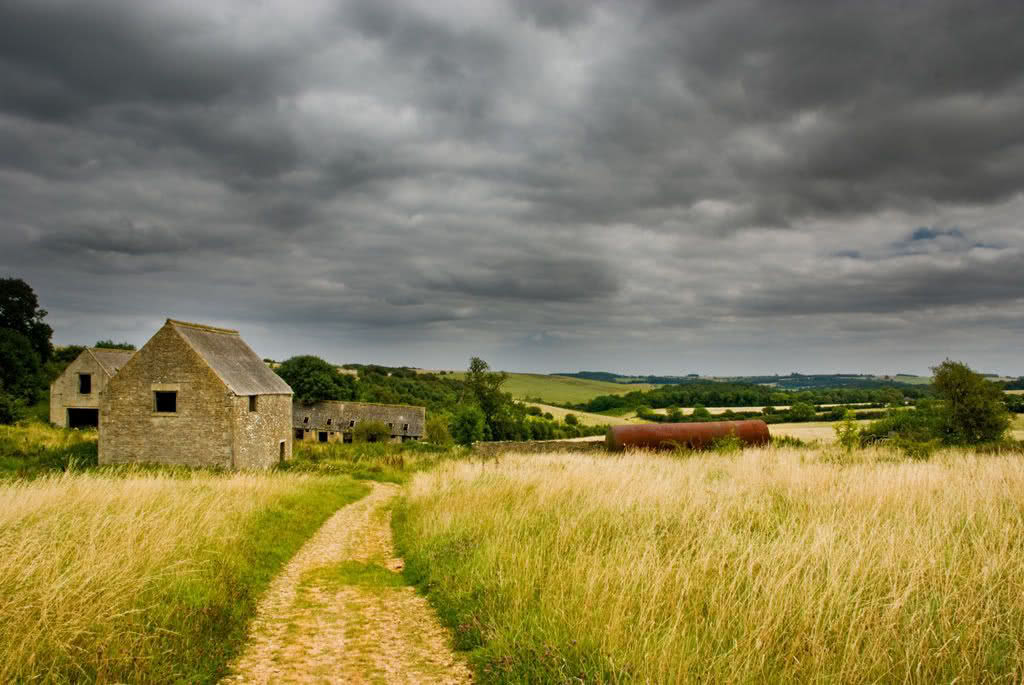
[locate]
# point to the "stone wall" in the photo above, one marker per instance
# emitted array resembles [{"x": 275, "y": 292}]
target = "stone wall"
[
  {"x": 64, "y": 390},
  {"x": 198, "y": 434},
  {"x": 258, "y": 435}
]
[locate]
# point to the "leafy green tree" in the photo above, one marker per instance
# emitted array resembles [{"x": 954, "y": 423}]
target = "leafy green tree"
[
  {"x": 20, "y": 312},
  {"x": 371, "y": 431},
  {"x": 700, "y": 412},
  {"x": 571, "y": 420},
  {"x": 468, "y": 425},
  {"x": 973, "y": 406},
  {"x": 437, "y": 431},
  {"x": 59, "y": 360},
  {"x": 802, "y": 411},
  {"x": 19, "y": 366},
  {"x": 111, "y": 345},
  {"x": 11, "y": 409},
  {"x": 314, "y": 380},
  {"x": 503, "y": 416},
  {"x": 675, "y": 414}
]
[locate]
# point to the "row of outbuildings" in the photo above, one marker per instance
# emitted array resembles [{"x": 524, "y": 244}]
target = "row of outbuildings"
[{"x": 197, "y": 395}]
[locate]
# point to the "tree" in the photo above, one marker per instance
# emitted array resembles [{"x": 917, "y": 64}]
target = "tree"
[
  {"x": 111, "y": 345},
  {"x": 20, "y": 312},
  {"x": 674, "y": 414},
  {"x": 503, "y": 417},
  {"x": 19, "y": 366},
  {"x": 371, "y": 431},
  {"x": 314, "y": 380},
  {"x": 468, "y": 425},
  {"x": 974, "y": 410},
  {"x": 437, "y": 431},
  {"x": 802, "y": 411},
  {"x": 571, "y": 420},
  {"x": 700, "y": 412}
]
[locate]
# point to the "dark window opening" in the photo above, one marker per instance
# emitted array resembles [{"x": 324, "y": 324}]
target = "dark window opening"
[
  {"x": 391, "y": 425},
  {"x": 305, "y": 420},
  {"x": 298, "y": 434},
  {"x": 352, "y": 424},
  {"x": 83, "y": 418},
  {"x": 84, "y": 383},
  {"x": 280, "y": 451},
  {"x": 252, "y": 402},
  {"x": 346, "y": 437},
  {"x": 405, "y": 428},
  {"x": 322, "y": 436},
  {"x": 165, "y": 402},
  {"x": 328, "y": 422}
]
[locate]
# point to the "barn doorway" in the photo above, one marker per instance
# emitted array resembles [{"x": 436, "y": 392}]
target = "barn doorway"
[
  {"x": 322, "y": 436},
  {"x": 83, "y": 418}
]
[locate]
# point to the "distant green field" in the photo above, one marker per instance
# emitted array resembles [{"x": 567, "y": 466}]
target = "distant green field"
[
  {"x": 909, "y": 380},
  {"x": 561, "y": 389}
]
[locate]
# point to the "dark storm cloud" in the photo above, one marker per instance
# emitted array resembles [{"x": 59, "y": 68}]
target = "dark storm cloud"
[{"x": 608, "y": 184}]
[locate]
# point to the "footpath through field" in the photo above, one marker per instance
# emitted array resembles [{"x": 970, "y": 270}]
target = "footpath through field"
[{"x": 341, "y": 613}]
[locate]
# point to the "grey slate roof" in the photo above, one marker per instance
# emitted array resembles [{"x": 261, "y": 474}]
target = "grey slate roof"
[
  {"x": 231, "y": 359},
  {"x": 341, "y": 413},
  {"x": 109, "y": 359}
]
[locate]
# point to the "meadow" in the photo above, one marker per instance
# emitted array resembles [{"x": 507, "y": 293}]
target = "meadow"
[
  {"x": 586, "y": 418},
  {"x": 560, "y": 389},
  {"x": 143, "y": 575},
  {"x": 773, "y": 564}
]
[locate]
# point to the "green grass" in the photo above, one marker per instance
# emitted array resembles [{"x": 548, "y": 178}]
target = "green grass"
[
  {"x": 33, "y": 449},
  {"x": 560, "y": 389},
  {"x": 353, "y": 573},
  {"x": 385, "y": 462}
]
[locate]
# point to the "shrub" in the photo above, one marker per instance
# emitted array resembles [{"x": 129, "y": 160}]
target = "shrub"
[
  {"x": 802, "y": 411},
  {"x": 729, "y": 444},
  {"x": 918, "y": 450},
  {"x": 700, "y": 412},
  {"x": 571, "y": 420},
  {"x": 533, "y": 410},
  {"x": 371, "y": 431},
  {"x": 847, "y": 432},
  {"x": 468, "y": 425},
  {"x": 921, "y": 424},
  {"x": 437, "y": 431},
  {"x": 11, "y": 409}
]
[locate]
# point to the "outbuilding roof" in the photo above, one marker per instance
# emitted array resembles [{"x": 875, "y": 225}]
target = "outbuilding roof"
[
  {"x": 110, "y": 359},
  {"x": 234, "y": 362}
]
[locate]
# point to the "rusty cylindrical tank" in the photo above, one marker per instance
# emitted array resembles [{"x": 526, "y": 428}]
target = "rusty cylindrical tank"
[{"x": 695, "y": 436}]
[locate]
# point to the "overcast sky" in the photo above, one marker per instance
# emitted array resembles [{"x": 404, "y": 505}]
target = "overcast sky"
[{"x": 716, "y": 187}]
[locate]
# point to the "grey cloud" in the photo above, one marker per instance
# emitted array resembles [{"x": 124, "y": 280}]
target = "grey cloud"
[{"x": 668, "y": 183}]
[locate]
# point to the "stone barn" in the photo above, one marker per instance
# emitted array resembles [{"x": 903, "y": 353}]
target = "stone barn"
[
  {"x": 334, "y": 421},
  {"x": 75, "y": 394},
  {"x": 196, "y": 395}
]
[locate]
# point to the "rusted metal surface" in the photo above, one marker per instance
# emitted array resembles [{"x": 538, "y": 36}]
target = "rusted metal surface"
[{"x": 696, "y": 436}]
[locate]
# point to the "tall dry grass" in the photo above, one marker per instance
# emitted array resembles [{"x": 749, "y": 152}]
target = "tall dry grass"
[
  {"x": 775, "y": 565},
  {"x": 142, "y": 578}
]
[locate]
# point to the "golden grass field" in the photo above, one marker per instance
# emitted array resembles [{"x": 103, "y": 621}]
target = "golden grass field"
[
  {"x": 585, "y": 418},
  {"x": 775, "y": 565},
  {"x": 113, "y": 578},
  {"x": 1014, "y": 392}
]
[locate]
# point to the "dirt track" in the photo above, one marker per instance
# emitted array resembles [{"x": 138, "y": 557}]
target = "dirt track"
[{"x": 339, "y": 613}]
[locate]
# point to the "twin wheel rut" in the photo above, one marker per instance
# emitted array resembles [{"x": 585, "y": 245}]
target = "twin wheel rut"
[{"x": 340, "y": 613}]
